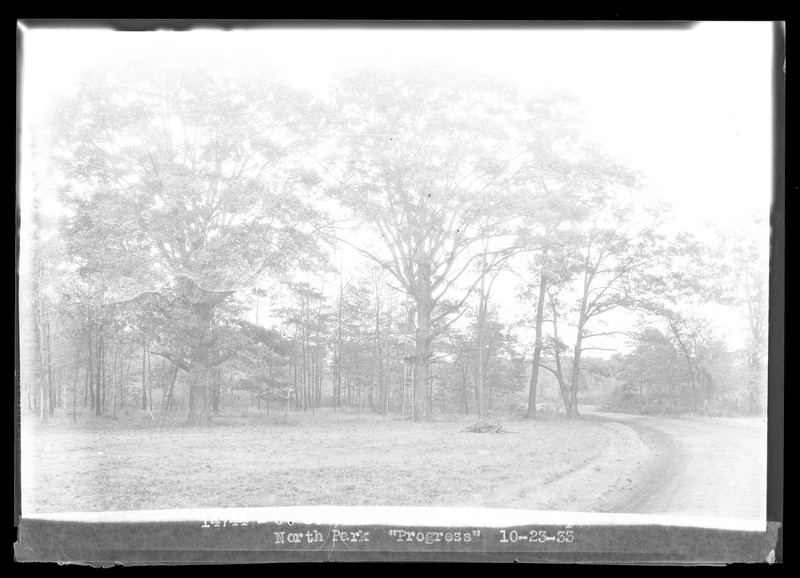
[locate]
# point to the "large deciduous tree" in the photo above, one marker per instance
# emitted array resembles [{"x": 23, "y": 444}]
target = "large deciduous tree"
[
  {"x": 422, "y": 157},
  {"x": 179, "y": 181},
  {"x": 611, "y": 244}
]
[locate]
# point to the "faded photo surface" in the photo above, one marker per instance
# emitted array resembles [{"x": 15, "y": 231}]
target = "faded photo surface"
[{"x": 499, "y": 269}]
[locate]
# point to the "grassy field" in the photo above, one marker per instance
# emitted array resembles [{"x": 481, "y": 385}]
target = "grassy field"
[{"x": 327, "y": 459}]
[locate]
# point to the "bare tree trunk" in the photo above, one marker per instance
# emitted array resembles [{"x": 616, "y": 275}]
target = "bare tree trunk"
[
  {"x": 304, "y": 373},
  {"x": 537, "y": 351},
  {"x": 75, "y": 386},
  {"x": 198, "y": 395},
  {"x": 378, "y": 349},
  {"x": 114, "y": 378},
  {"x": 313, "y": 383},
  {"x": 422, "y": 358},
  {"x": 98, "y": 410},
  {"x": 75, "y": 401},
  {"x": 92, "y": 381},
  {"x": 296, "y": 385},
  {"x": 42, "y": 398},
  {"x": 168, "y": 394},
  {"x": 559, "y": 372},
  {"x": 576, "y": 373},
  {"x": 144, "y": 375},
  {"x": 124, "y": 380},
  {"x": 479, "y": 376},
  {"x": 103, "y": 377},
  {"x": 215, "y": 399},
  {"x": 338, "y": 377},
  {"x": 387, "y": 353},
  {"x": 431, "y": 394},
  {"x": 88, "y": 383},
  {"x": 687, "y": 354},
  {"x": 576, "y": 357},
  {"x": 62, "y": 391},
  {"x": 38, "y": 327},
  {"x": 49, "y": 355},
  {"x": 150, "y": 382},
  {"x": 464, "y": 396}
]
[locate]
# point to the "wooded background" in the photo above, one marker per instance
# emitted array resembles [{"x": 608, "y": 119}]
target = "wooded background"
[{"x": 422, "y": 241}]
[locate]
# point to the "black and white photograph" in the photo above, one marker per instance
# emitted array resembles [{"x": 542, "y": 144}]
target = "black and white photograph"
[{"x": 365, "y": 292}]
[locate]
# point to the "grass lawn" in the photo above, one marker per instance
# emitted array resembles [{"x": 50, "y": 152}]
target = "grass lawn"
[{"x": 328, "y": 459}]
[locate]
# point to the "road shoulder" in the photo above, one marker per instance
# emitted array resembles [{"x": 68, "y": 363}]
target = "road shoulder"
[{"x": 608, "y": 479}]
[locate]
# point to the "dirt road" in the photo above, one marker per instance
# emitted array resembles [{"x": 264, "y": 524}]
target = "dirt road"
[{"x": 708, "y": 468}]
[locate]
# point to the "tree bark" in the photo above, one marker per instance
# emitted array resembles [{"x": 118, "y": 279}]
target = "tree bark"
[
  {"x": 378, "y": 350},
  {"x": 89, "y": 379},
  {"x": 537, "y": 350},
  {"x": 168, "y": 395},
  {"x": 576, "y": 373},
  {"x": 422, "y": 358},
  {"x": 49, "y": 354},
  {"x": 92, "y": 380},
  {"x": 144, "y": 376},
  {"x": 75, "y": 386},
  {"x": 98, "y": 410},
  {"x": 123, "y": 380},
  {"x": 215, "y": 398},
  {"x": 150, "y": 382},
  {"x": 565, "y": 397},
  {"x": 114, "y": 378},
  {"x": 464, "y": 396},
  {"x": 199, "y": 413},
  {"x": 479, "y": 376},
  {"x": 576, "y": 358}
]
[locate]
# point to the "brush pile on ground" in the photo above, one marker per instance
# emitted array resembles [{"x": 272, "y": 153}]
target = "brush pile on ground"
[{"x": 484, "y": 426}]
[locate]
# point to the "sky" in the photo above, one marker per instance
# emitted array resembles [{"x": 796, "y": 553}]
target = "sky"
[{"x": 690, "y": 108}]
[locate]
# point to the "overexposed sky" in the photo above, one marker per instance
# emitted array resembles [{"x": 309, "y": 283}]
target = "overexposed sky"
[{"x": 690, "y": 108}]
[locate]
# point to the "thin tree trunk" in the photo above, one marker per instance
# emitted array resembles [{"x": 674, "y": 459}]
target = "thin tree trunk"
[
  {"x": 38, "y": 326},
  {"x": 87, "y": 383},
  {"x": 49, "y": 353},
  {"x": 168, "y": 394},
  {"x": 559, "y": 372},
  {"x": 198, "y": 394},
  {"x": 692, "y": 370},
  {"x": 296, "y": 390},
  {"x": 144, "y": 376},
  {"x": 75, "y": 400},
  {"x": 387, "y": 360},
  {"x": 304, "y": 374},
  {"x": 92, "y": 380},
  {"x": 124, "y": 382},
  {"x": 98, "y": 410},
  {"x": 464, "y": 396},
  {"x": 537, "y": 351},
  {"x": 479, "y": 381},
  {"x": 215, "y": 398},
  {"x": 430, "y": 389},
  {"x": 576, "y": 372},
  {"x": 378, "y": 350},
  {"x": 150, "y": 382},
  {"x": 338, "y": 378},
  {"x": 103, "y": 377},
  {"x": 114, "y": 378},
  {"x": 62, "y": 392}
]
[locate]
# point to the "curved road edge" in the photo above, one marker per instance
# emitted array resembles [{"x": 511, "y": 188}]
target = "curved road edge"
[{"x": 695, "y": 467}]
